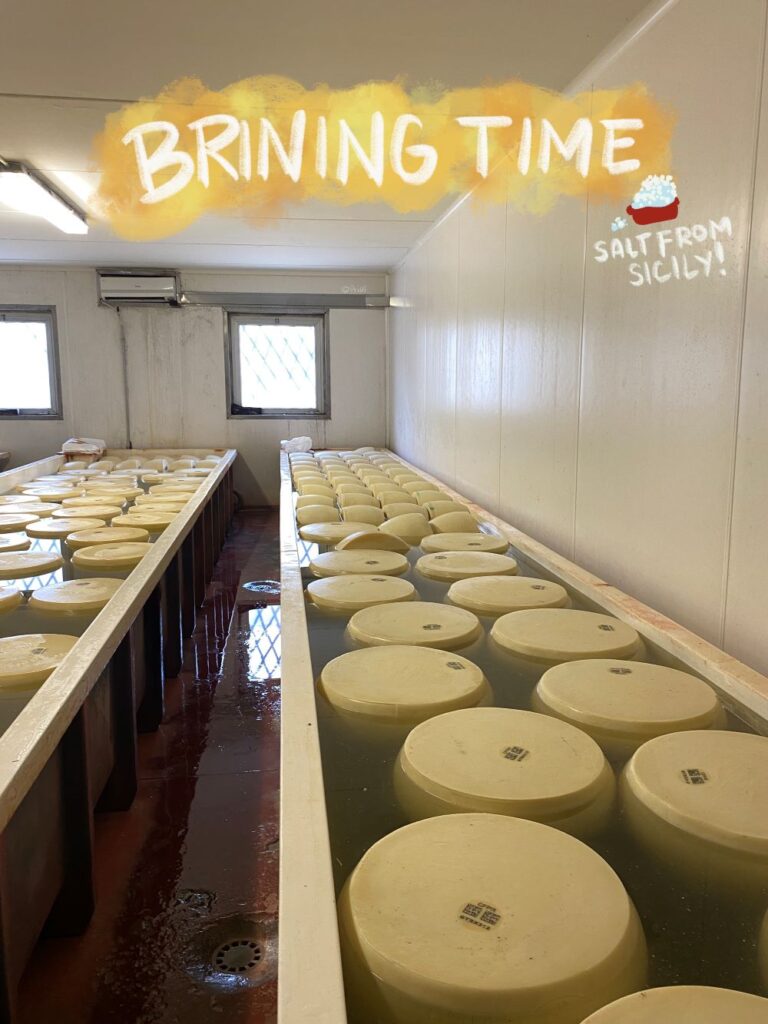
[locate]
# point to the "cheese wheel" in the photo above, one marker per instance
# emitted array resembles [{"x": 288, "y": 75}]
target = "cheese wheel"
[
  {"x": 500, "y": 595},
  {"x": 455, "y": 522},
  {"x": 106, "y": 535},
  {"x": 359, "y": 560},
  {"x": 332, "y": 533},
  {"x": 27, "y": 661},
  {"x": 553, "y": 635},
  {"x": 422, "y": 623},
  {"x": 684, "y": 1004},
  {"x": 75, "y": 596},
  {"x": 465, "y": 542},
  {"x": 351, "y": 592},
  {"x": 449, "y": 566},
  {"x": 317, "y": 514},
  {"x": 411, "y": 528},
  {"x": 21, "y": 565}
]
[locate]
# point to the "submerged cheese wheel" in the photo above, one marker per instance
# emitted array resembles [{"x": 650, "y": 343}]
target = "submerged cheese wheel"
[
  {"x": 622, "y": 704},
  {"x": 362, "y": 514},
  {"x": 401, "y": 508},
  {"x": 455, "y": 522},
  {"x": 483, "y": 917},
  {"x": 51, "y": 493},
  {"x": 423, "y": 623},
  {"x": 14, "y": 522},
  {"x": 15, "y": 542},
  {"x": 75, "y": 595},
  {"x": 27, "y": 661},
  {"x": 402, "y": 683},
  {"x": 499, "y": 595},
  {"x": 465, "y": 542},
  {"x": 106, "y": 535},
  {"x": 698, "y": 800},
  {"x": 684, "y": 1004},
  {"x": 110, "y": 556},
  {"x": 410, "y": 528},
  {"x": 373, "y": 542},
  {"x": 359, "y": 560},
  {"x": 59, "y": 529},
  {"x": 10, "y": 598},
  {"x": 348, "y": 500},
  {"x": 41, "y": 509},
  {"x": 105, "y": 512},
  {"x": 332, "y": 533},
  {"x": 353, "y": 591},
  {"x": 448, "y": 566},
  {"x": 146, "y": 518},
  {"x": 440, "y": 507},
  {"x": 506, "y": 761},
  {"x": 317, "y": 514},
  {"x": 20, "y": 565},
  {"x": 303, "y": 500},
  {"x": 551, "y": 635}
]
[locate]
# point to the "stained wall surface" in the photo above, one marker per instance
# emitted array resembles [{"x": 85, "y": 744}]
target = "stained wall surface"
[{"x": 623, "y": 425}]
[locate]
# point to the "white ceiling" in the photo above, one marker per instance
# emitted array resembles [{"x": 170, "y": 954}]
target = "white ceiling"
[{"x": 64, "y": 66}]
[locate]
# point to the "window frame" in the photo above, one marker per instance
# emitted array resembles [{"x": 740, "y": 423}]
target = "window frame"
[
  {"x": 288, "y": 315},
  {"x": 47, "y": 315}
]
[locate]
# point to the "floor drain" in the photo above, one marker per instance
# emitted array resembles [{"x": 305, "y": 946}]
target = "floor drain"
[
  {"x": 271, "y": 587},
  {"x": 237, "y": 956}
]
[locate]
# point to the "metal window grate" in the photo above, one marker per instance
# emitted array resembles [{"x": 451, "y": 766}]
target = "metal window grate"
[{"x": 264, "y": 642}]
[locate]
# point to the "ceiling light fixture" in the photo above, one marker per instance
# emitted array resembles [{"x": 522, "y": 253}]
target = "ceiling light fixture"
[{"x": 24, "y": 189}]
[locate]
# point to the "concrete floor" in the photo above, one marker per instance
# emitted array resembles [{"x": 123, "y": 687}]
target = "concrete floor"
[{"x": 192, "y": 868}]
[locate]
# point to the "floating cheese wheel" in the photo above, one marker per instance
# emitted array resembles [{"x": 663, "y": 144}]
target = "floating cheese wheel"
[
  {"x": 317, "y": 514},
  {"x": 10, "y": 599},
  {"x": 132, "y": 463},
  {"x": 105, "y": 512},
  {"x": 449, "y": 566},
  {"x": 198, "y": 473},
  {"x": 362, "y": 514},
  {"x": 433, "y": 496},
  {"x": 402, "y": 508},
  {"x": 465, "y": 542},
  {"x": 440, "y": 508},
  {"x": 302, "y": 500},
  {"x": 341, "y": 563},
  {"x": 21, "y": 565},
  {"x": 398, "y": 498},
  {"x": 161, "y": 465},
  {"x": 88, "y": 501},
  {"x": 27, "y": 661},
  {"x": 379, "y": 487},
  {"x": 59, "y": 529},
  {"x": 499, "y": 595},
  {"x": 179, "y": 488},
  {"x": 622, "y": 704},
  {"x": 153, "y": 520},
  {"x": 106, "y": 465},
  {"x": 150, "y": 503},
  {"x": 373, "y": 542},
  {"x": 188, "y": 463},
  {"x": 353, "y": 591},
  {"x": 106, "y": 535},
  {"x": 52, "y": 493},
  {"x": 332, "y": 533},
  {"x": 684, "y": 1004},
  {"x": 348, "y": 500},
  {"x": 313, "y": 488},
  {"x": 413, "y": 484},
  {"x": 402, "y": 683},
  {"x": 14, "y": 542},
  {"x": 411, "y": 528},
  {"x": 698, "y": 801},
  {"x": 552, "y": 635},
  {"x": 455, "y": 522},
  {"x": 483, "y": 917},
  {"x": 123, "y": 491},
  {"x": 73, "y": 465},
  {"x": 357, "y": 488},
  {"x": 75, "y": 595},
  {"x": 14, "y": 522},
  {"x": 110, "y": 556},
  {"x": 14, "y": 499},
  {"x": 505, "y": 761},
  {"x": 41, "y": 509},
  {"x": 423, "y": 623}
]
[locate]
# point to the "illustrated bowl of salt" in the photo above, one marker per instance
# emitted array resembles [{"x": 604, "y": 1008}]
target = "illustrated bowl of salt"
[{"x": 656, "y": 200}]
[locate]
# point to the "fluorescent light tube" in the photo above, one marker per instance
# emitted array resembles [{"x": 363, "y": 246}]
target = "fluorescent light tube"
[{"x": 23, "y": 190}]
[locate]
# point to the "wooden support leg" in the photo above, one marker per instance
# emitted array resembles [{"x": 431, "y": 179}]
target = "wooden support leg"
[
  {"x": 198, "y": 533},
  {"x": 188, "y": 602},
  {"x": 170, "y": 588},
  {"x": 152, "y": 708},
  {"x": 121, "y": 786},
  {"x": 74, "y": 905}
]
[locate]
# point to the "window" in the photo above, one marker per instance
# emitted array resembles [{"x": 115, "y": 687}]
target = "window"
[
  {"x": 29, "y": 369},
  {"x": 278, "y": 365}
]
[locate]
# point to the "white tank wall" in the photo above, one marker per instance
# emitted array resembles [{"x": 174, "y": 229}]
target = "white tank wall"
[
  {"x": 176, "y": 372},
  {"x": 624, "y": 426}
]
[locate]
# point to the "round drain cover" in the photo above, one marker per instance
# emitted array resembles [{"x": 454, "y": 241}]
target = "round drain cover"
[
  {"x": 263, "y": 587},
  {"x": 237, "y": 956}
]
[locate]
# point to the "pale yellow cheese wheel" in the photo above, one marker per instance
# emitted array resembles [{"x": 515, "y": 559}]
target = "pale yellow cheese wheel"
[
  {"x": 398, "y": 498},
  {"x": 340, "y": 563},
  {"x": 27, "y": 661},
  {"x": 552, "y": 635},
  {"x": 684, "y": 1004},
  {"x": 505, "y": 761},
  {"x": 358, "y": 488},
  {"x": 385, "y": 487},
  {"x": 332, "y": 533},
  {"x": 422, "y": 623},
  {"x": 95, "y": 500},
  {"x": 402, "y": 508},
  {"x": 41, "y": 509},
  {"x": 413, "y": 484},
  {"x": 59, "y": 529},
  {"x": 152, "y": 519},
  {"x": 411, "y": 528},
  {"x": 313, "y": 488},
  {"x": 432, "y": 495},
  {"x": 348, "y": 500},
  {"x": 14, "y": 522},
  {"x": 150, "y": 503},
  {"x": 465, "y": 542},
  {"x": 499, "y": 595},
  {"x": 104, "y": 512},
  {"x": 123, "y": 491},
  {"x": 449, "y": 566},
  {"x": 484, "y": 917},
  {"x": 20, "y": 565},
  {"x": 106, "y": 535},
  {"x": 10, "y": 599},
  {"x": 14, "y": 499},
  {"x": 14, "y": 542},
  {"x": 362, "y": 514},
  {"x": 132, "y": 463},
  {"x": 401, "y": 683},
  {"x": 622, "y": 704},
  {"x": 110, "y": 556},
  {"x": 317, "y": 514},
  {"x": 52, "y": 493},
  {"x": 353, "y": 591},
  {"x": 373, "y": 541},
  {"x": 455, "y": 522},
  {"x": 698, "y": 799},
  {"x": 441, "y": 507},
  {"x": 75, "y": 595},
  {"x": 303, "y": 500}
]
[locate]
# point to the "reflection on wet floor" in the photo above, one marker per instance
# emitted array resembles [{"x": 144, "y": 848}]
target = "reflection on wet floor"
[{"x": 186, "y": 915}]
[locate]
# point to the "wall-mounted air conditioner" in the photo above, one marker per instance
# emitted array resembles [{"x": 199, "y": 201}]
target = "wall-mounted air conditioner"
[{"x": 120, "y": 287}]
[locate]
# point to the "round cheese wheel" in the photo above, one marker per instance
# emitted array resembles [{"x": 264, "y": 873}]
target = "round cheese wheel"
[
  {"x": 500, "y": 595},
  {"x": 27, "y": 661},
  {"x": 332, "y": 533},
  {"x": 349, "y": 593},
  {"x": 359, "y": 560},
  {"x": 21, "y": 565},
  {"x": 75, "y": 595},
  {"x": 465, "y": 542},
  {"x": 419, "y": 622},
  {"x": 551, "y": 635},
  {"x": 684, "y": 1004},
  {"x": 449, "y": 566},
  {"x": 106, "y": 535},
  {"x": 110, "y": 556}
]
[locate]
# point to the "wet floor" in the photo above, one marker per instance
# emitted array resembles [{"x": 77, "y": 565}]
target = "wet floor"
[{"x": 185, "y": 928}]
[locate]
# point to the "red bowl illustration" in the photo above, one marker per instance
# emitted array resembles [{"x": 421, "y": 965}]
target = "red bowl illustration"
[{"x": 653, "y": 214}]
